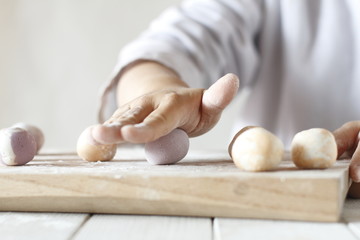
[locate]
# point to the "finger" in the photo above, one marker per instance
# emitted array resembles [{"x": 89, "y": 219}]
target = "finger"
[
  {"x": 355, "y": 166},
  {"x": 220, "y": 94},
  {"x": 131, "y": 113},
  {"x": 157, "y": 124},
  {"x": 110, "y": 132},
  {"x": 347, "y": 137},
  {"x": 107, "y": 134}
]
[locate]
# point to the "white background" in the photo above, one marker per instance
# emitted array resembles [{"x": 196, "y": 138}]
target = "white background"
[{"x": 56, "y": 54}]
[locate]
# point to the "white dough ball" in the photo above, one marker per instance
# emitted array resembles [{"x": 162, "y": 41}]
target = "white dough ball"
[
  {"x": 256, "y": 149},
  {"x": 314, "y": 148},
  {"x": 168, "y": 149},
  {"x": 92, "y": 151},
  {"x": 35, "y": 131}
]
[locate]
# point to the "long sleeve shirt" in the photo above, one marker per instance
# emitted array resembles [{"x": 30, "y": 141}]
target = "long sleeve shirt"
[{"x": 298, "y": 61}]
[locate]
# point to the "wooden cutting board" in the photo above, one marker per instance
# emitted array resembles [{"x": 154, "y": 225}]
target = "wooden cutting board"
[{"x": 205, "y": 183}]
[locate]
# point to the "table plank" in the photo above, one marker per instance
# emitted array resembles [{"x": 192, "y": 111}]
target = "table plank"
[
  {"x": 145, "y": 228},
  {"x": 54, "y": 226},
  {"x": 351, "y": 214},
  {"x": 204, "y": 184},
  {"x": 244, "y": 229}
]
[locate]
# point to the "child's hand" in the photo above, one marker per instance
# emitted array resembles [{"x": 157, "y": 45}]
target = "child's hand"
[
  {"x": 155, "y": 114},
  {"x": 347, "y": 139}
]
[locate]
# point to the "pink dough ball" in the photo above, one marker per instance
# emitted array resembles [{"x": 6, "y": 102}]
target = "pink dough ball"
[
  {"x": 168, "y": 149},
  {"x": 35, "y": 131},
  {"x": 17, "y": 146}
]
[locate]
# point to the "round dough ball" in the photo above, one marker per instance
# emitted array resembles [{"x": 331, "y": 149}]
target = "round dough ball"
[
  {"x": 314, "y": 148},
  {"x": 168, "y": 149},
  {"x": 35, "y": 131},
  {"x": 256, "y": 149},
  {"x": 17, "y": 146},
  {"x": 90, "y": 150}
]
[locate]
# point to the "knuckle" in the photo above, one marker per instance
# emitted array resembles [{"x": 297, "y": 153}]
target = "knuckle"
[
  {"x": 172, "y": 98},
  {"x": 141, "y": 101},
  {"x": 128, "y": 120},
  {"x": 159, "y": 119}
]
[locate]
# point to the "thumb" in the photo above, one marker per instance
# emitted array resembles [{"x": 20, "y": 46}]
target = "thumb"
[
  {"x": 220, "y": 94},
  {"x": 347, "y": 137},
  {"x": 214, "y": 101}
]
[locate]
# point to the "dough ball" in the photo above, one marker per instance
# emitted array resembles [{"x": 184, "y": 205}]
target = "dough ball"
[
  {"x": 17, "y": 146},
  {"x": 35, "y": 131},
  {"x": 314, "y": 148},
  {"x": 256, "y": 149},
  {"x": 168, "y": 149},
  {"x": 90, "y": 150}
]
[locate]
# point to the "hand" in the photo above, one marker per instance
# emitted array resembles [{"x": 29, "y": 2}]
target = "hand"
[
  {"x": 347, "y": 139},
  {"x": 157, "y": 113}
]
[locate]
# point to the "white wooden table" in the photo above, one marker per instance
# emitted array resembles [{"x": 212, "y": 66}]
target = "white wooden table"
[{"x": 26, "y": 225}]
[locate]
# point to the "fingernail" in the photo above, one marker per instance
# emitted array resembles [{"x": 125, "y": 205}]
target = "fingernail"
[{"x": 87, "y": 135}]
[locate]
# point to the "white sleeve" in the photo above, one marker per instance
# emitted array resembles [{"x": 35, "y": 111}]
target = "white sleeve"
[{"x": 201, "y": 40}]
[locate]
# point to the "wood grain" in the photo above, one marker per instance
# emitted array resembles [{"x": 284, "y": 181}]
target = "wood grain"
[
  {"x": 250, "y": 229},
  {"x": 57, "y": 226},
  {"x": 203, "y": 184},
  {"x": 146, "y": 228}
]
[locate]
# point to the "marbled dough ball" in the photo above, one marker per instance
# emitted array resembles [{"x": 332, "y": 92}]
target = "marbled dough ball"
[
  {"x": 168, "y": 149},
  {"x": 256, "y": 149},
  {"x": 314, "y": 148},
  {"x": 35, "y": 131},
  {"x": 17, "y": 146},
  {"x": 92, "y": 151}
]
